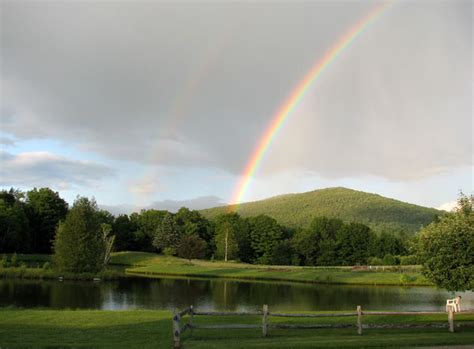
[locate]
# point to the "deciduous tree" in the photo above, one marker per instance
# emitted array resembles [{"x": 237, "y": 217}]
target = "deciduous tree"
[{"x": 447, "y": 248}]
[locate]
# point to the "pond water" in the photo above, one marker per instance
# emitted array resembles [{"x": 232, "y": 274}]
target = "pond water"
[{"x": 168, "y": 293}]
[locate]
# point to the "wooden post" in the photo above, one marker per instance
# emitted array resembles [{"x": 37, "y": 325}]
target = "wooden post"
[
  {"x": 265, "y": 321},
  {"x": 359, "y": 319},
  {"x": 451, "y": 318},
  {"x": 191, "y": 316},
  {"x": 176, "y": 329}
]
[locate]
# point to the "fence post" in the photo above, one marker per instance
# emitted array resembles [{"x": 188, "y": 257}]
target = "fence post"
[
  {"x": 191, "y": 316},
  {"x": 265, "y": 320},
  {"x": 176, "y": 329},
  {"x": 451, "y": 318},
  {"x": 359, "y": 319}
]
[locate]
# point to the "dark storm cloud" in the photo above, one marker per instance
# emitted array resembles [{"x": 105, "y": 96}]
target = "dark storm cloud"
[{"x": 195, "y": 84}]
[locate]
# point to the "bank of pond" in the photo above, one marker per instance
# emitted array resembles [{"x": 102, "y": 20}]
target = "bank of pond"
[
  {"x": 142, "y": 264},
  {"x": 131, "y": 303}
]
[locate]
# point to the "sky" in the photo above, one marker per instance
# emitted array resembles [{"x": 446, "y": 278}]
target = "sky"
[{"x": 162, "y": 103}]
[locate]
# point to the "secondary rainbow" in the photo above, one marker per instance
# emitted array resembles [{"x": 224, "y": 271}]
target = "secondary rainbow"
[{"x": 295, "y": 97}]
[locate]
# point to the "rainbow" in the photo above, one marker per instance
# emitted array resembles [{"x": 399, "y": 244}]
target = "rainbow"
[{"x": 285, "y": 110}]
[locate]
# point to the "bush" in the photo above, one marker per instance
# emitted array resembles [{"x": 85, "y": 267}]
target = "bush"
[
  {"x": 406, "y": 279},
  {"x": 388, "y": 259},
  {"x": 46, "y": 266},
  {"x": 4, "y": 261},
  {"x": 169, "y": 251},
  {"x": 408, "y": 260},
  {"x": 14, "y": 260},
  {"x": 375, "y": 261}
]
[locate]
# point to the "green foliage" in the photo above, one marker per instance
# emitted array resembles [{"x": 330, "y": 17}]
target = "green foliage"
[
  {"x": 389, "y": 259},
  {"x": 45, "y": 208},
  {"x": 318, "y": 243},
  {"x": 78, "y": 245},
  {"x": 284, "y": 254},
  {"x": 147, "y": 224},
  {"x": 265, "y": 235},
  {"x": 226, "y": 243},
  {"x": 46, "y": 266},
  {"x": 4, "y": 261},
  {"x": 447, "y": 248},
  {"x": 193, "y": 223},
  {"x": 191, "y": 247},
  {"x": 169, "y": 251},
  {"x": 241, "y": 234},
  {"x": 167, "y": 233},
  {"x": 124, "y": 230},
  {"x": 353, "y": 244},
  {"x": 14, "y": 224},
  {"x": 375, "y": 261},
  {"x": 408, "y": 260},
  {"x": 407, "y": 279},
  {"x": 298, "y": 210},
  {"x": 331, "y": 242},
  {"x": 14, "y": 260}
]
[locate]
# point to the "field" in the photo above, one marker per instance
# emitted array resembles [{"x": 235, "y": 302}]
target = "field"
[
  {"x": 149, "y": 264},
  {"x": 143, "y": 328}
]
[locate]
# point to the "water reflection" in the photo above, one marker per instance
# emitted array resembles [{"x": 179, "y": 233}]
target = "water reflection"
[{"x": 168, "y": 293}]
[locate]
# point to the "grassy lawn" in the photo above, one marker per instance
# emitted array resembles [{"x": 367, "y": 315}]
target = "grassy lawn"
[
  {"x": 146, "y": 328},
  {"x": 152, "y": 264},
  {"x": 149, "y": 264}
]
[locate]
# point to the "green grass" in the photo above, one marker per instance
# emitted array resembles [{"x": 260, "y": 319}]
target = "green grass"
[
  {"x": 297, "y": 210},
  {"x": 149, "y": 264},
  {"x": 25, "y": 328},
  {"x": 154, "y": 265}
]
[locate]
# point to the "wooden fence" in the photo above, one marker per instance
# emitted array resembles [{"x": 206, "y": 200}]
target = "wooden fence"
[{"x": 179, "y": 329}]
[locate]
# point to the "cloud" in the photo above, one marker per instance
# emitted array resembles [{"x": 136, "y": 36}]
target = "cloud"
[
  {"x": 184, "y": 84},
  {"x": 44, "y": 169},
  {"x": 7, "y": 141},
  {"x": 448, "y": 206},
  {"x": 198, "y": 203}
]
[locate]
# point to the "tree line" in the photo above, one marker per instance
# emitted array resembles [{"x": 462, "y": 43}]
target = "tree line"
[{"x": 40, "y": 221}]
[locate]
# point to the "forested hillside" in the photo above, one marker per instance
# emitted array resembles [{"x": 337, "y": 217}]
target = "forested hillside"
[{"x": 297, "y": 210}]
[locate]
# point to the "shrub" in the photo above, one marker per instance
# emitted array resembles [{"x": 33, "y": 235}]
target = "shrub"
[
  {"x": 169, "y": 251},
  {"x": 375, "y": 261},
  {"x": 14, "y": 260},
  {"x": 388, "y": 259},
  {"x": 46, "y": 266},
  {"x": 4, "y": 261},
  {"x": 408, "y": 260},
  {"x": 406, "y": 279}
]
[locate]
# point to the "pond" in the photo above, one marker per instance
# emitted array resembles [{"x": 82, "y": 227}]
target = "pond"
[{"x": 231, "y": 295}]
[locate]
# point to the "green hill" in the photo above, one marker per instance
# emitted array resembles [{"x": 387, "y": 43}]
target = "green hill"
[{"x": 297, "y": 210}]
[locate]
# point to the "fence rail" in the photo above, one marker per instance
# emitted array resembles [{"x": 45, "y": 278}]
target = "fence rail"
[{"x": 178, "y": 330}]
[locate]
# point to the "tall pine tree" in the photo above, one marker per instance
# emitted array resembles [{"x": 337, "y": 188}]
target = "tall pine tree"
[{"x": 78, "y": 246}]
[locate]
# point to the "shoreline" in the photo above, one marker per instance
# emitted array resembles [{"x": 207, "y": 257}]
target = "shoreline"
[{"x": 151, "y": 265}]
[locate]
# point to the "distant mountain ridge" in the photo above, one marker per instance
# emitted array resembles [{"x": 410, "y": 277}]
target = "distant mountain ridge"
[{"x": 297, "y": 210}]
